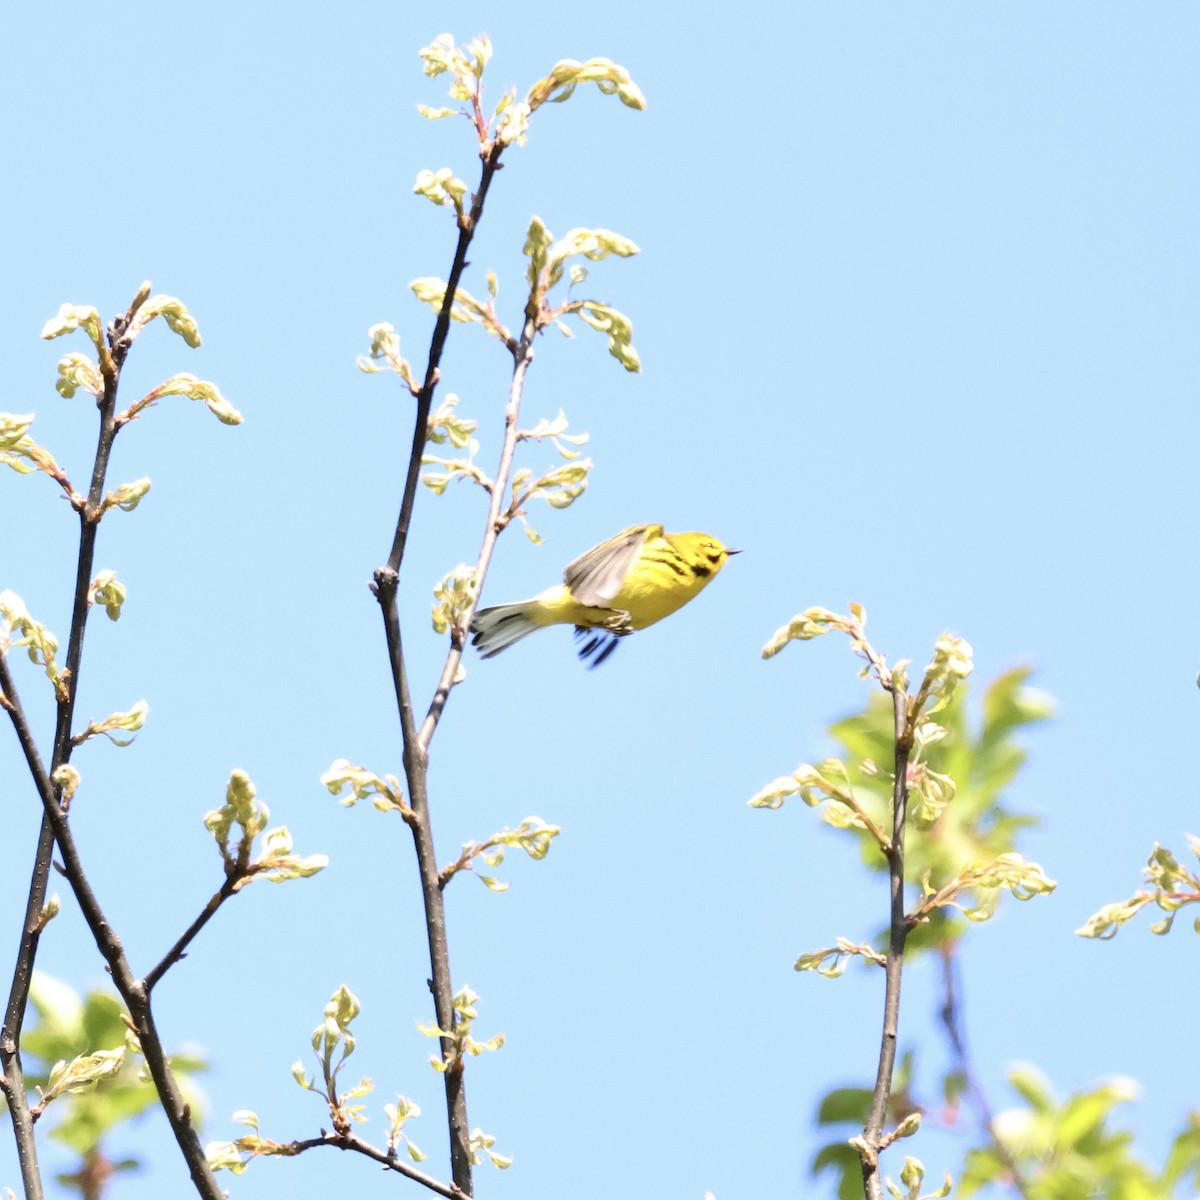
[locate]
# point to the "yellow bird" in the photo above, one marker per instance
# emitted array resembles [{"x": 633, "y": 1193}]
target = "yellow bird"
[{"x": 626, "y": 583}]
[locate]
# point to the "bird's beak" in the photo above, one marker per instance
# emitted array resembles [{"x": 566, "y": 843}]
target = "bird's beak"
[{"x": 728, "y": 551}]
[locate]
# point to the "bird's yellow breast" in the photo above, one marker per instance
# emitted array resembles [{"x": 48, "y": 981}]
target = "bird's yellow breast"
[{"x": 669, "y": 571}]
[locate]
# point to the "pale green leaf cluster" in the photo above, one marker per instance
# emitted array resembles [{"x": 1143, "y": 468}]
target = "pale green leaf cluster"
[
  {"x": 950, "y": 665},
  {"x": 398, "y": 1115},
  {"x": 912, "y": 1177},
  {"x": 480, "y": 1147},
  {"x": 1069, "y": 1148},
  {"x": 618, "y": 326},
  {"x": 967, "y": 857},
  {"x": 130, "y": 721},
  {"x": 812, "y": 623},
  {"x": 929, "y": 791},
  {"x": 556, "y": 432},
  {"x": 13, "y": 429},
  {"x": 82, "y": 1073},
  {"x": 454, "y": 469},
  {"x": 18, "y": 630},
  {"x": 809, "y": 784},
  {"x": 275, "y": 862},
  {"x": 53, "y": 906},
  {"x": 560, "y": 487},
  {"x": 71, "y": 317},
  {"x": 549, "y": 260},
  {"x": 235, "y": 1156},
  {"x": 442, "y": 187},
  {"x": 333, "y": 1043},
  {"x": 831, "y": 961},
  {"x": 185, "y": 384},
  {"x": 512, "y": 119},
  {"x": 1170, "y": 887},
  {"x": 974, "y": 891},
  {"x": 20, "y": 452},
  {"x": 108, "y": 590},
  {"x": 94, "y": 1090},
  {"x": 974, "y": 762},
  {"x": 126, "y": 497},
  {"x": 66, "y": 778},
  {"x": 461, "y": 1042},
  {"x": 385, "y": 349},
  {"x": 552, "y": 257},
  {"x": 453, "y": 598},
  {"x": 334, "y": 1034},
  {"x": 568, "y": 74},
  {"x": 533, "y": 836},
  {"x": 830, "y": 780},
  {"x": 384, "y": 792},
  {"x": 77, "y": 371},
  {"x": 446, "y": 426},
  {"x": 173, "y": 311},
  {"x": 464, "y": 64},
  {"x": 465, "y": 308}
]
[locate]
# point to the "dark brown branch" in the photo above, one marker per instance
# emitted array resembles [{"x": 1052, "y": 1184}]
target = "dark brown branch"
[
  {"x": 179, "y": 950},
  {"x": 348, "y": 1141},
  {"x": 54, "y": 822},
  {"x": 129, "y": 987},
  {"x": 416, "y": 758},
  {"x": 872, "y": 1135},
  {"x": 18, "y": 997},
  {"x": 437, "y": 345}
]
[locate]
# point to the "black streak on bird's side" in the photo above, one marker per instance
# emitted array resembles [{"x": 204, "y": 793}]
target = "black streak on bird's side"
[{"x": 670, "y": 562}]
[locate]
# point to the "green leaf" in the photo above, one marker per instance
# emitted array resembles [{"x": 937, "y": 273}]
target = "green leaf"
[{"x": 845, "y": 1105}]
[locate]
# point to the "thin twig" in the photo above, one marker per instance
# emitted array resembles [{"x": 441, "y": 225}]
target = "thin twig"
[
  {"x": 179, "y": 950},
  {"x": 349, "y": 1141},
  {"x": 437, "y": 344},
  {"x": 522, "y": 353},
  {"x": 951, "y": 1015},
  {"x": 872, "y": 1135}
]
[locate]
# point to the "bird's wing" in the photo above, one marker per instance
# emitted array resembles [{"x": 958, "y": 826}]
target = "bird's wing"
[{"x": 596, "y": 577}]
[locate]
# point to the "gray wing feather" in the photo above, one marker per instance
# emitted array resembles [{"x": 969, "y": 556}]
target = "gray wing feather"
[{"x": 596, "y": 577}]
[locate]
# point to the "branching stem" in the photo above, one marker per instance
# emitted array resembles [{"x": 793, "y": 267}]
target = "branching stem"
[
  {"x": 872, "y": 1135},
  {"x": 349, "y": 1141},
  {"x": 56, "y": 828},
  {"x": 416, "y": 746}
]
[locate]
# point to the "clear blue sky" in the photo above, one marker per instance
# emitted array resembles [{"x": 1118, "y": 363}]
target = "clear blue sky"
[{"x": 916, "y": 303}]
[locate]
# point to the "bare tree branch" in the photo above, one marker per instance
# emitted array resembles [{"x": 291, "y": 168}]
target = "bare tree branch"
[
  {"x": 349, "y": 1141},
  {"x": 872, "y": 1136},
  {"x": 18, "y": 997},
  {"x": 130, "y": 988},
  {"x": 416, "y": 756},
  {"x": 56, "y": 827},
  {"x": 179, "y": 950}
]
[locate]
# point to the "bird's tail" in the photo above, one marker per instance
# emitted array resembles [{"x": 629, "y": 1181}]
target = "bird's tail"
[{"x": 497, "y": 628}]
